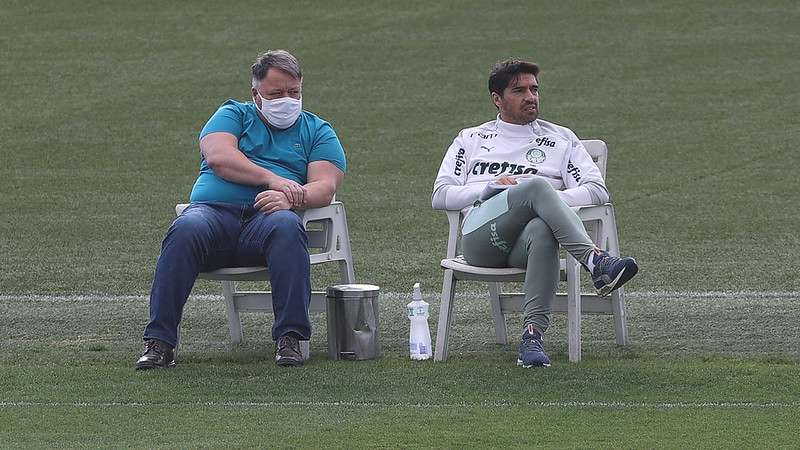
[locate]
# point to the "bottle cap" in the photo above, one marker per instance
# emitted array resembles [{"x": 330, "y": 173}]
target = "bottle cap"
[{"x": 417, "y": 292}]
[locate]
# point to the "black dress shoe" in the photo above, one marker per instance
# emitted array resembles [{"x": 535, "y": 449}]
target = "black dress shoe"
[
  {"x": 157, "y": 354},
  {"x": 288, "y": 351}
]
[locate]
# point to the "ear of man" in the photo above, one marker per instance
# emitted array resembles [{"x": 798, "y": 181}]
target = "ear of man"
[{"x": 496, "y": 99}]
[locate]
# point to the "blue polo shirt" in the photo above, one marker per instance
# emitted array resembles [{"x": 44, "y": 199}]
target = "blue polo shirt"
[{"x": 286, "y": 153}]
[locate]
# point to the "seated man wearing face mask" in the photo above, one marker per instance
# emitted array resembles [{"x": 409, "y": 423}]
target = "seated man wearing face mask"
[{"x": 261, "y": 161}]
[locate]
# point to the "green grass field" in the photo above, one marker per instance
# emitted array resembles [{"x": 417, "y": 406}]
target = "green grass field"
[
  {"x": 102, "y": 102},
  {"x": 725, "y": 385}
]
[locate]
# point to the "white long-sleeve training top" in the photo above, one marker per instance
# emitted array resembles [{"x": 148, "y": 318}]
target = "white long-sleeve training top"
[{"x": 479, "y": 155}]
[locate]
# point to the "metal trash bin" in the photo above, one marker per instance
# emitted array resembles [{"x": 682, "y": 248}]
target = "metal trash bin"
[{"x": 353, "y": 321}]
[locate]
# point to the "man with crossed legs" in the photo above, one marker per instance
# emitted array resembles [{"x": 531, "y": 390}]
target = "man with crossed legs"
[{"x": 515, "y": 179}]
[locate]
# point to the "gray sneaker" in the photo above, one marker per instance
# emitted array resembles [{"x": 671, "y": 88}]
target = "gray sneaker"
[
  {"x": 610, "y": 272},
  {"x": 287, "y": 352},
  {"x": 531, "y": 351}
]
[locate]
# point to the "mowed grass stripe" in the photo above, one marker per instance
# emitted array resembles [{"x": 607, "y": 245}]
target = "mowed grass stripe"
[
  {"x": 350, "y": 404},
  {"x": 668, "y": 324},
  {"x": 733, "y": 295},
  {"x": 168, "y": 426}
]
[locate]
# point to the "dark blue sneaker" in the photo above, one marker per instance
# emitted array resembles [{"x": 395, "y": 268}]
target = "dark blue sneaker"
[
  {"x": 531, "y": 352},
  {"x": 610, "y": 272}
]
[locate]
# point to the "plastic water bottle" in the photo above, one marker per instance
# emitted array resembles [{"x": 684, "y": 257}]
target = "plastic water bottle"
[{"x": 419, "y": 338}]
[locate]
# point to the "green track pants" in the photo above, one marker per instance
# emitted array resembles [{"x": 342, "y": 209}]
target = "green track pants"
[{"x": 523, "y": 227}]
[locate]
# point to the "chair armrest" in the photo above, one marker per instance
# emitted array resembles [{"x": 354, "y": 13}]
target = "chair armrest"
[
  {"x": 454, "y": 219},
  {"x": 593, "y": 212},
  {"x": 323, "y": 212}
]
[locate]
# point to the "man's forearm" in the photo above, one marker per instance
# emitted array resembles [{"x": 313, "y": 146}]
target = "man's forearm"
[
  {"x": 455, "y": 197},
  {"x": 318, "y": 194},
  {"x": 236, "y": 168}
]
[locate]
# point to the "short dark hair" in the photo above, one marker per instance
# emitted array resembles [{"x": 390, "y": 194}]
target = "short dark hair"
[
  {"x": 279, "y": 59},
  {"x": 504, "y": 72}
]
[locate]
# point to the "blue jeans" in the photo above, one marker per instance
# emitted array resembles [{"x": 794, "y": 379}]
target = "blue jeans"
[{"x": 208, "y": 236}]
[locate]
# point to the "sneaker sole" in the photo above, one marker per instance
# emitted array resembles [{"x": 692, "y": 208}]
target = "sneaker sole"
[
  {"x": 624, "y": 275},
  {"x": 519, "y": 363}
]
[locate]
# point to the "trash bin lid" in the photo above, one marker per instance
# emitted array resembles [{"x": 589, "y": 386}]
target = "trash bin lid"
[{"x": 353, "y": 291}]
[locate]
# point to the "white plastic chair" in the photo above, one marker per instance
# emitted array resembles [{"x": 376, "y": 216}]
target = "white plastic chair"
[
  {"x": 328, "y": 241},
  {"x": 603, "y": 232}
]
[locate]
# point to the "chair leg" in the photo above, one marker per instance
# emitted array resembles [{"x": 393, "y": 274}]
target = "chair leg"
[
  {"x": 500, "y": 327},
  {"x": 620, "y": 321},
  {"x": 234, "y": 323},
  {"x": 346, "y": 274},
  {"x": 598, "y": 233},
  {"x": 573, "y": 309},
  {"x": 445, "y": 315},
  {"x": 618, "y": 296},
  {"x": 610, "y": 232},
  {"x": 344, "y": 247}
]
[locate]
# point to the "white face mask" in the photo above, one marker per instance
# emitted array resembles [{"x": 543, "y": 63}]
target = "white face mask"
[{"x": 281, "y": 112}]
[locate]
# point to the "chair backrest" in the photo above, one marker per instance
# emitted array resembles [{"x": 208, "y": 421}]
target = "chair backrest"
[{"x": 596, "y": 148}]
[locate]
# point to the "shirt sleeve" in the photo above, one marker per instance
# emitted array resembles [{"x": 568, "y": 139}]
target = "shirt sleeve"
[
  {"x": 326, "y": 147},
  {"x": 228, "y": 119},
  {"x": 583, "y": 183},
  {"x": 450, "y": 190}
]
